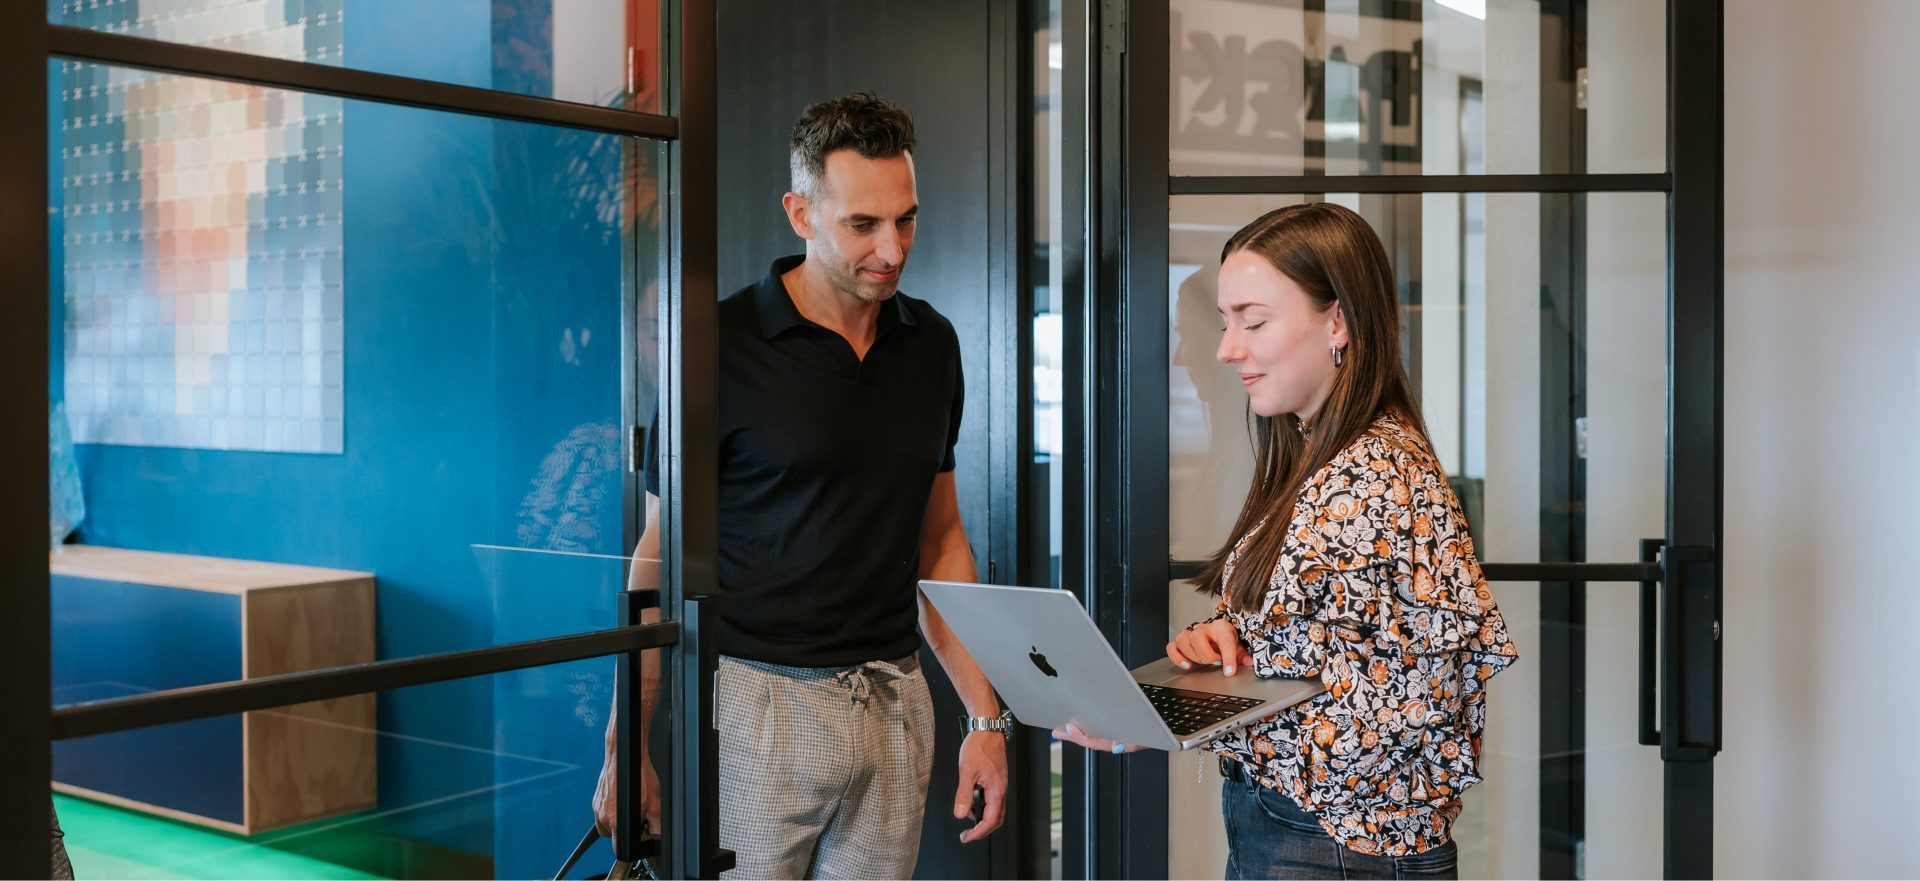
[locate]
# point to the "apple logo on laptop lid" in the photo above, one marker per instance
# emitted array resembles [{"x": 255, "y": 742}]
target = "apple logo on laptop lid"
[{"x": 1040, "y": 660}]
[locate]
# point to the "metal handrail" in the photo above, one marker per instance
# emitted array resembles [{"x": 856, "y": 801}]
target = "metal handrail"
[{"x": 225, "y": 698}]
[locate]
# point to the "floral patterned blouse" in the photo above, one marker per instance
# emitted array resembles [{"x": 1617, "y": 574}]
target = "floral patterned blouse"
[{"x": 1377, "y": 594}]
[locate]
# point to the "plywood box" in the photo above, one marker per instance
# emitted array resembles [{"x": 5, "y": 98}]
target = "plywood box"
[{"x": 130, "y": 622}]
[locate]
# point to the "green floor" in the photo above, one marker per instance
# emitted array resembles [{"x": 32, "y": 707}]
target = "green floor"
[{"x": 109, "y": 842}]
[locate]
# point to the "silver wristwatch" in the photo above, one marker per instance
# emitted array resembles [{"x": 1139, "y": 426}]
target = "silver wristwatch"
[{"x": 1002, "y": 723}]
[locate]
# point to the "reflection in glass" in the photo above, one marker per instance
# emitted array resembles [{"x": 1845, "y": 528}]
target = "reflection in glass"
[
  {"x": 602, "y": 52},
  {"x": 1051, "y": 372},
  {"x": 494, "y": 785},
  {"x": 1210, "y": 443},
  {"x": 330, "y": 334},
  {"x": 347, "y": 382},
  {"x": 204, "y": 232},
  {"x": 1291, "y": 87},
  {"x": 1469, "y": 267}
]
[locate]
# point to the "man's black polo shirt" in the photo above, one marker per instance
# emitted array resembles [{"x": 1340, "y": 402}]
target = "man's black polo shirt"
[{"x": 826, "y": 464}]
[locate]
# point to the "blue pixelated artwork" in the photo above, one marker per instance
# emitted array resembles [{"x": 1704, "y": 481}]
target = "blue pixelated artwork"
[{"x": 202, "y": 223}]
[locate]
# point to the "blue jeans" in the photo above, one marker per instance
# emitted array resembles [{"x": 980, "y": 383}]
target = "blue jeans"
[{"x": 1268, "y": 836}]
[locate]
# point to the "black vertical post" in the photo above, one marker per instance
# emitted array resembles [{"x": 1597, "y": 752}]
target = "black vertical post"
[
  {"x": 690, "y": 413},
  {"x": 1127, "y": 588},
  {"x": 1010, "y": 295},
  {"x": 1022, "y": 847},
  {"x": 1079, "y": 120},
  {"x": 628, "y": 709},
  {"x": 1690, "y": 636},
  {"x": 1145, "y": 361},
  {"x": 1563, "y": 608},
  {"x": 28, "y": 694},
  {"x": 1101, "y": 801}
]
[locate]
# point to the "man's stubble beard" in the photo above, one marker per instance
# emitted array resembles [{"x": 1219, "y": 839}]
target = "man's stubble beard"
[
  {"x": 875, "y": 294},
  {"x": 866, "y": 293}
]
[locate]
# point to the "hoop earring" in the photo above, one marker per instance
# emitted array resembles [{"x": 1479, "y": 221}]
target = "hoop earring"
[{"x": 1336, "y": 356}]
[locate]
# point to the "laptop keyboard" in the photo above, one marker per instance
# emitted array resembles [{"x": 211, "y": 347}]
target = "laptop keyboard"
[{"x": 1187, "y": 712}]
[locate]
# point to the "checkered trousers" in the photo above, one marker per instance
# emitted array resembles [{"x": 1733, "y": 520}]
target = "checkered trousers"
[{"x": 823, "y": 771}]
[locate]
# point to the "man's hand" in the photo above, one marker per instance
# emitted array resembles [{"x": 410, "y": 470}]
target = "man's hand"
[
  {"x": 983, "y": 763},
  {"x": 606, "y": 797},
  {"x": 946, "y": 556}
]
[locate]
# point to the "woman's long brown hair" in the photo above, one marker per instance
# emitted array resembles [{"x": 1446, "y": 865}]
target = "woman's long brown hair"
[{"x": 1333, "y": 255}]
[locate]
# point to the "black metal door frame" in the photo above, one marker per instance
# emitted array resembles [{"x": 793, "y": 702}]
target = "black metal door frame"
[
  {"x": 25, "y": 650},
  {"x": 28, "y": 723},
  {"x": 1114, "y": 482},
  {"x": 1116, "y": 493},
  {"x": 1690, "y": 657}
]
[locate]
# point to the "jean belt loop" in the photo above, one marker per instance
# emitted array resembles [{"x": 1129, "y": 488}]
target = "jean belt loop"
[{"x": 1237, "y": 771}]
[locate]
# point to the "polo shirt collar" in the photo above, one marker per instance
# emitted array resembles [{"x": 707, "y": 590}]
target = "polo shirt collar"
[{"x": 778, "y": 314}]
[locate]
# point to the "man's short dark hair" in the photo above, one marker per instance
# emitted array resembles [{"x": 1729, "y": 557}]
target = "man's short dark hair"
[{"x": 862, "y": 122}]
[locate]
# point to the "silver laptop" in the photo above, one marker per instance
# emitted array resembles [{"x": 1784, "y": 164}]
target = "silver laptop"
[{"x": 1052, "y": 666}]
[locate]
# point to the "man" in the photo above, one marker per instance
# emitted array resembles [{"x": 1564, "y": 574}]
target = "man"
[{"x": 840, "y": 405}]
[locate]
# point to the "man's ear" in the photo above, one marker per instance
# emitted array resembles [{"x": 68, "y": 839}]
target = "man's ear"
[{"x": 799, "y": 214}]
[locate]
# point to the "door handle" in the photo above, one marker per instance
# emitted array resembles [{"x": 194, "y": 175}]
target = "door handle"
[
  {"x": 1650, "y": 552},
  {"x": 1690, "y": 656}
]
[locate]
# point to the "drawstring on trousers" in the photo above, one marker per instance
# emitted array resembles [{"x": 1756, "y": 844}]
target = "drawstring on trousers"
[{"x": 858, "y": 679}]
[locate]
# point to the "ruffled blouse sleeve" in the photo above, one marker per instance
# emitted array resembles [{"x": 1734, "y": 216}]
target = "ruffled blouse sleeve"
[{"x": 1286, "y": 640}]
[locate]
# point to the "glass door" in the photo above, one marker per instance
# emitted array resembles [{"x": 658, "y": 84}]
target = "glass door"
[
  {"x": 348, "y": 342},
  {"x": 1565, "y": 773},
  {"x": 1546, "y": 191}
]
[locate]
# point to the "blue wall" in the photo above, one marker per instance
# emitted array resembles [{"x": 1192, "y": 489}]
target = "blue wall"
[
  {"x": 482, "y": 393},
  {"x": 56, "y": 242}
]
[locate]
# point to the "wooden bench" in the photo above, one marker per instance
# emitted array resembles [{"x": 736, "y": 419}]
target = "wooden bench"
[{"x": 129, "y": 622}]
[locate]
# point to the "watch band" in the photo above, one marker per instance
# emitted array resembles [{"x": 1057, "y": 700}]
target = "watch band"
[{"x": 1002, "y": 723}]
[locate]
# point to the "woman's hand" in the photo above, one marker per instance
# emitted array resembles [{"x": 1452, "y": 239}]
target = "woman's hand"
[
  {"x": 1211, "y": 643},
  {"x": 1073, "y": 734}
]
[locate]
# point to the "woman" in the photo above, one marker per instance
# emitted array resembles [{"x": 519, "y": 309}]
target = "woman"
[{"x": 1349, "y": 562}]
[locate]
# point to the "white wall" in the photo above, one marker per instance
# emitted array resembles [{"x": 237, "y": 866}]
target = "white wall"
[
  {"x": 590, "y": 50},
  {"x": 1822, "y": 409}
]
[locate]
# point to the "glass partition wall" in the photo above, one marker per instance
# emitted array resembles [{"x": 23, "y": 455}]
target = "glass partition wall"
[
  {"x": 1485, "y": 355},
  {"x": 1543, "y": 176},
  {"x": 348, "y": 338}
]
